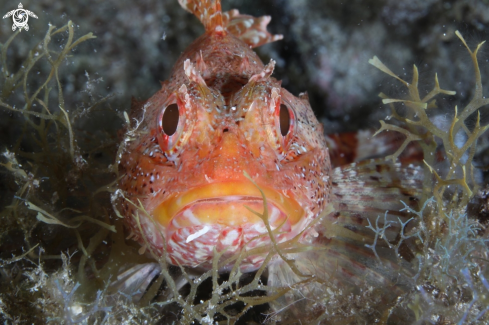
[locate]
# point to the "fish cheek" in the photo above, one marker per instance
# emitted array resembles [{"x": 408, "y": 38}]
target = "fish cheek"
[{"x": 312, "y": 171}]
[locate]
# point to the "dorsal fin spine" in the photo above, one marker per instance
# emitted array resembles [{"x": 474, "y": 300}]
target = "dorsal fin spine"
[
  {"x": 209, "y": 13},
  {"x": 251, "y": 30},
  {"x": 215, "y": 19}
]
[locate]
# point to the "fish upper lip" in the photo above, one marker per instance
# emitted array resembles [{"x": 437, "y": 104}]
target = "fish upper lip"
[
  {"x": 224, "y": 192},
  {"x": 231, "y": 211},
  {"x": 222, "y": 207},
  {"x": 228, "y": 198}
]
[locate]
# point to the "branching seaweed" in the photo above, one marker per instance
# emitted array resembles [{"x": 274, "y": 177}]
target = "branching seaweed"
[
  {"x": 99, "y": 277},
  {"x": 50, "y": 172},
  {"x": 451, "y": 249},
  {"x": 420, "y": 127}
]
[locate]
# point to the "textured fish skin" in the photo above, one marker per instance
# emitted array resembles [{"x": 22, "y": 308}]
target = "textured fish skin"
[
  {"x": 229, "y": 123},
  {"x": 193, "y": 195}
]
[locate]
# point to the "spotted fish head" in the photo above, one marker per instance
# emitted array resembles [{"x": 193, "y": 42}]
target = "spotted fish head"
[{"x": 219, "y": 116}]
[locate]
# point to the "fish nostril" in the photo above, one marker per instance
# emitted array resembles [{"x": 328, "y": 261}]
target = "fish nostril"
[{"x": 225, "y": 130}]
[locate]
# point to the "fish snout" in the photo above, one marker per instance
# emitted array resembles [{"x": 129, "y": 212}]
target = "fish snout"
[{"x": 229, "y": 159}]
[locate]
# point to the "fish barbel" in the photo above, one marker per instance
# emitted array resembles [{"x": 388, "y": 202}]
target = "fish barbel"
[{"x": 220, "y": 115}]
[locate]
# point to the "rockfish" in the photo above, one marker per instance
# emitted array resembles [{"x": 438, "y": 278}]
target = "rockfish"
[{"x": 185, "y": 192}]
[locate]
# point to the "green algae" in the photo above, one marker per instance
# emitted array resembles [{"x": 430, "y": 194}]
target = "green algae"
[
  {"x": 75, "y": 244},
  {"x": 68, "y": 249},
  {"x": 49, "y": 216},
  {"x": 452, "y": 252}
]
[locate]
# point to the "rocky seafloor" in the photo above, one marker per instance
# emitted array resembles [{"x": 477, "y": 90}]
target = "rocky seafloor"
[{"x": 325, "y": 51}]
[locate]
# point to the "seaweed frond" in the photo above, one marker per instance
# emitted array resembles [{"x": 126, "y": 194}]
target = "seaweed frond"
[
  {"x": 50, "y": 168},
  {"x": 418, "y": 126},
  {"x": 451, "y": 248}
]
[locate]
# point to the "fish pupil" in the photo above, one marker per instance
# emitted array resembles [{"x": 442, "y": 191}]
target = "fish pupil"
[
  {"x": 284, "y": 120},
  {"x": 170, "y": 119}
]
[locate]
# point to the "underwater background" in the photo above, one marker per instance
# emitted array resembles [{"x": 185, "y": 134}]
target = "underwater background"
[{"x": 58, "y": 169}]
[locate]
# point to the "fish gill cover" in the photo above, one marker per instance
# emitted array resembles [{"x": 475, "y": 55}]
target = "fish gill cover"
[{"x": 63, "y": 249}]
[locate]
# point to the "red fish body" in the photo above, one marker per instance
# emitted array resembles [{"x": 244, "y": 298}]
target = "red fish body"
[
  {"x": 222, "y": 138},
  {"x": 183, "y": 192},
  {"x": 221, "y": 114}
]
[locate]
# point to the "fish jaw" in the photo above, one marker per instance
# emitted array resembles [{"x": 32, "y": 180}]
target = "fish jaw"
[
  {"x": 215, "y": 203},
  {"x": 219, "y": 216}
]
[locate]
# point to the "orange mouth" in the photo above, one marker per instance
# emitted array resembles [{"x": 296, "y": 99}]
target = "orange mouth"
[{"x": 225, "y": 204}]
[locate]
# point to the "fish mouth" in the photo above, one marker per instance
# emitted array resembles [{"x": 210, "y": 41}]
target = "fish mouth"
[
  {"x": 218, "y": 216},
  {"x": 226, "y": 204}
]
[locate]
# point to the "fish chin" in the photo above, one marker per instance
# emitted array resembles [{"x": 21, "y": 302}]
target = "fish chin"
[{"x": 219, "y": 216}]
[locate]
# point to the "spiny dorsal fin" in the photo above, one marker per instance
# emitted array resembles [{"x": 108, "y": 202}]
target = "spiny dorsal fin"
[
  {"x": 208, "y": 11},
  {"x": 251, "y": 30}
]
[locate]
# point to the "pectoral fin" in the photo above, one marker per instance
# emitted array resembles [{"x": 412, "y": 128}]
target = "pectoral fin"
[{"x": 355, "y": 249}]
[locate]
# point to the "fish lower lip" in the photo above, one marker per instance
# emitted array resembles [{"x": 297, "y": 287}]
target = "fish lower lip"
[{"x": 226, "y": 204}]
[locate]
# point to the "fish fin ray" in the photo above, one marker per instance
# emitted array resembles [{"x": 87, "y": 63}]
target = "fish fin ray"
[
  {"x": 352, "y": 255},
  {"x": 376, "y": 185},
  {"x": 370, "y": 195},
  {"x": 339, "y": 271},
  {"x": 135, "y": 281},
  {"x": 251, "y": 30},
  {"x": 208, "y": 11}
]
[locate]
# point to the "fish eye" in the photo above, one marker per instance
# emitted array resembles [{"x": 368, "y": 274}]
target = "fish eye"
[
  {"x": 169, "y": 121},
  {"x": 170, "y": 127},
  {"x": 284, "y": 120}
]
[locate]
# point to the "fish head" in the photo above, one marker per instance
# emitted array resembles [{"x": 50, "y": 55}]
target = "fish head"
[{"x": 188, "y": 163}]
